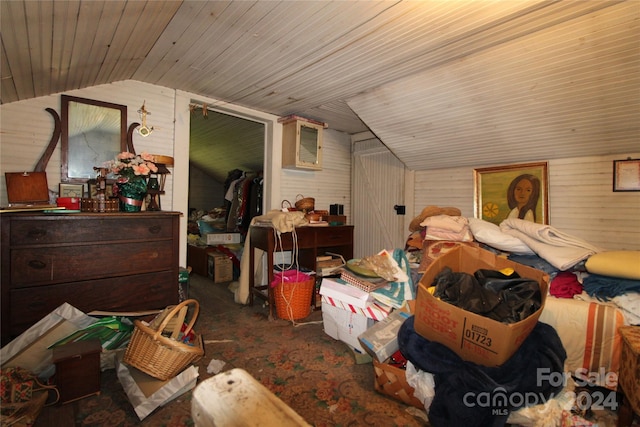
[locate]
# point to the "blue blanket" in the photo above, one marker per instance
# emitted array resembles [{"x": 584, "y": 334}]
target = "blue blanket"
[
  {"x": 605, "y": 287},
  {"x": 467, "y": 394}
]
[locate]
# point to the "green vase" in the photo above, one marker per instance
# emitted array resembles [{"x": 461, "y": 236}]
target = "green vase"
[{"x": 131, "y": 194}]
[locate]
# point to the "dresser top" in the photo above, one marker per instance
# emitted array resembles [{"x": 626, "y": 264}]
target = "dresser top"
[{"x": 62, "y": 214}]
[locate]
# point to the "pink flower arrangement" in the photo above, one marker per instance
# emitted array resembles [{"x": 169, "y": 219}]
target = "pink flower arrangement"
[{"x": 128, "y": 166}]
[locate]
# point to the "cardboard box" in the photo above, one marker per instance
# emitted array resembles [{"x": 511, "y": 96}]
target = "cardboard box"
[
  {"x": 219, "y": 267},
  {"x": 222, "y": 238},
  {"x": 340, "y": 290},
  {"x": 381, "y": 340},
  {"x": 345, "y": 325},
  {"x": 471, "y": 336},
  {"x": 372, "y": 310}
]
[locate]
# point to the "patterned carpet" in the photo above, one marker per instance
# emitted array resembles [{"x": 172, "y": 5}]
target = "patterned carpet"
[{"x": 314, "y": 374}]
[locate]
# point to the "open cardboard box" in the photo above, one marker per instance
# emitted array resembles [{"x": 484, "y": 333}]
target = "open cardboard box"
[{"x": 473, "y": 337}]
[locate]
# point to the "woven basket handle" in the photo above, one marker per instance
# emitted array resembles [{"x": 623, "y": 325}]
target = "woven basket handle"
[
  {"x": 299, "y": 197},
  {"x": 175, "y": 311},
  {"x": 287, "y": 202}
]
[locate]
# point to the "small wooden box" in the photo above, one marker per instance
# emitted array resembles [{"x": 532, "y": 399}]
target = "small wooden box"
[
  {"x": 629, "y": 374},
  {"x": 77, "y": 369}
]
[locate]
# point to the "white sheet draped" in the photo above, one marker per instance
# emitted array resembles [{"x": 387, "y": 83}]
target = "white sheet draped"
[{"x": 559, "y": 249}]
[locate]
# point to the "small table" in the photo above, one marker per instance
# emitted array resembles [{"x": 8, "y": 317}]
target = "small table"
[
  {"x": 310, "y": 242},
  {"x": 628, "y": 378}
]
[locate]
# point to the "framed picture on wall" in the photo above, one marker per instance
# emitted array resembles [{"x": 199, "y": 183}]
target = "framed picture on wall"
[
  {"x": 512, "y": 191},
  {"x": 626, "y": 175}
]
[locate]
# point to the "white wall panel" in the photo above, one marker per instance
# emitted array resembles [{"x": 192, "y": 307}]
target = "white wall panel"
[
  {"x": 27, "y": 128},
  {"x": 329, "y": 186},
  {"x": 581, "y": 200}
]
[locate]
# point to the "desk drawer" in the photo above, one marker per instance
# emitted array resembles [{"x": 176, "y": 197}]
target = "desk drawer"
[
  {"x": 33, "y": 266},
  {"x": 333, "y": 236},
  {"x": 82, "y": 230}
]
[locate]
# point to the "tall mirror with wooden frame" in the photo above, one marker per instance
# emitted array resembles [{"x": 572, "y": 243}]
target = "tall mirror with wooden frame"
[{"x": 93, "y": 132}]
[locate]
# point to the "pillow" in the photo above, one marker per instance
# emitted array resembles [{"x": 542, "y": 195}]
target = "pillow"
[
  {"x": 490, "y": 234},
  {"x": 589, "y": 334},
  {"x": 620, "y": 264}
]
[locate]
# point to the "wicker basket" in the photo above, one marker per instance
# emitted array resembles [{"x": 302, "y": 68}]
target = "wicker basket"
[
  {"x": 286, "y": 206},
  {"x": 293, "y": 299},
  {"x": 305, "y": 204},
  {"x": 160, "y": 356},
  {"x": 392, "y": 381}
]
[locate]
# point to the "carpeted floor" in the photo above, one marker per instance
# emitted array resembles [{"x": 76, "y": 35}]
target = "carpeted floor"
[{"x": 314, "y": 374}]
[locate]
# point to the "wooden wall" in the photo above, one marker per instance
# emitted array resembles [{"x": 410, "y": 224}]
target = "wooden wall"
[
  {"x": 581, "y": 200},
  {"x": 331, "y": 185},
  {"x": 26, "y": 128}
]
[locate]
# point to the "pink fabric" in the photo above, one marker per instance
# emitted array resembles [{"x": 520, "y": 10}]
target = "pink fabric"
[{"x": 289, "y": 276}]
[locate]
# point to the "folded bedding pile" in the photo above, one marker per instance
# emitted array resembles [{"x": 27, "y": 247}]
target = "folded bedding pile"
[{"x": 578, "y": 269}]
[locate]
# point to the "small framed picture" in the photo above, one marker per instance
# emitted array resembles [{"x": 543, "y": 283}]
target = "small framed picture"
[
  {"x": 626, "y": 175},
  {"x": 93, "y": 189},
  {"x": 512, "y": 191},
  {"x": 71, "y": 190}
]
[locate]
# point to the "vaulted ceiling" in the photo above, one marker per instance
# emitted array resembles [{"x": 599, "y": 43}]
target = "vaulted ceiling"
[{"x": 441, "y": 83}]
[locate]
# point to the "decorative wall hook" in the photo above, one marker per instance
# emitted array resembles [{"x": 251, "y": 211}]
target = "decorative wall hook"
[{"x": 144, "y": 130}]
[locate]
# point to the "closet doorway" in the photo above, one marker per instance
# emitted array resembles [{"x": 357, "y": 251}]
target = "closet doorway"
[{"x": 220, "y": 143}]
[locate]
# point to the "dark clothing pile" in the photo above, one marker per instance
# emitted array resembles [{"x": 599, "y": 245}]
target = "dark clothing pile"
[
  {"x": 467, "y": 394},
  {"x": 490, "y": 293}
]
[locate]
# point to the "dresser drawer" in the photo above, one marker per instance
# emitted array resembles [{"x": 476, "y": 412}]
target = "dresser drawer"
[
  {"x": 132, "y": 293},
  {"x": 82, "y": 229},
  {"x": 335, "y": 236},
  {"x": 43, "y": 265}
]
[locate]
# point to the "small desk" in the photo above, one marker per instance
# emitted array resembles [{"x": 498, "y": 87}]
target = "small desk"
[{"x": 311, "y": 242}]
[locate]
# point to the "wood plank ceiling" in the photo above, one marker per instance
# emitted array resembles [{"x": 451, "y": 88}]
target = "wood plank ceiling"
[{"x": 441, "y": 83}]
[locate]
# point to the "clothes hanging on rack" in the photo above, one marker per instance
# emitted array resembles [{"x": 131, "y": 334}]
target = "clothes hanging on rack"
[{"x": 244, "y": 198}]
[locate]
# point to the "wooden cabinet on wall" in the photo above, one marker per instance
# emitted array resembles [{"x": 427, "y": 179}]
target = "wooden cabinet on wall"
[
  {"x": 106, "y": 261},
  {"x": 301, "y": 143}
]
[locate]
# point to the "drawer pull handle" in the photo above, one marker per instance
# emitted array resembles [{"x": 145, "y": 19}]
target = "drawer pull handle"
[
  {"x": 155, "y": 229},
  {"x": 37, "y": 264},
  {"x": 37, "y": 232}
]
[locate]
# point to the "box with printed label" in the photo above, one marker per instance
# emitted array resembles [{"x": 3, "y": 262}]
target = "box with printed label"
[
  {"x": 222, "y": 238},
  {"x": 471, "y": 336}
]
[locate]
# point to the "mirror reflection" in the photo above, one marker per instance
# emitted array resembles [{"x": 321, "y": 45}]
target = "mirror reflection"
[
  {"x": 308, "y": 144},
  {"x": 93, "y": 132}
]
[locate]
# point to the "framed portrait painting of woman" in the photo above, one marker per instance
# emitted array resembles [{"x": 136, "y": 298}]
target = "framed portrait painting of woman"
[{"x": 512, "y": 191}]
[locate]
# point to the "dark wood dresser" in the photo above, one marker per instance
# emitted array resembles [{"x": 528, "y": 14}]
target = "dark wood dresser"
[{"x": 103, "y": 261}]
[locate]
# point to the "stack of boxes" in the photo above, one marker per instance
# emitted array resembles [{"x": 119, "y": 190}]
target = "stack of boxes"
[
  {"x": 347, "y": 312},
  {"x": 475, "y": 338}
]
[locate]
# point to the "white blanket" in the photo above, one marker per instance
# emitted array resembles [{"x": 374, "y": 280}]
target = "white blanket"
[{"x": 559, "y": 249}]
